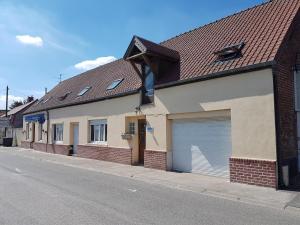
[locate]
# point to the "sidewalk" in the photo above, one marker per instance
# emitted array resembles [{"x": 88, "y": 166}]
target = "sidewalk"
[{"x": 206, "y": 185}]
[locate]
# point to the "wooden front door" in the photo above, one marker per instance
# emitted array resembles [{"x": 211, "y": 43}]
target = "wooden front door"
[{"x": 142, "y": 139}]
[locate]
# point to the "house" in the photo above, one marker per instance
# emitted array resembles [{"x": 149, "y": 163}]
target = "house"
[
  {"x": 221, "y": 100},
  {"x": 14, "y": 126}
]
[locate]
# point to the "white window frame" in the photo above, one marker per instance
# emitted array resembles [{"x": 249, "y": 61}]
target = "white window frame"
[
  {"x": 296, "y": 73},
  {"x": 58, "y": 139},
  {"x": 40, "y": 132},
  {"x": 27, "y": 129},
  {"x": 98, "y": 122}
]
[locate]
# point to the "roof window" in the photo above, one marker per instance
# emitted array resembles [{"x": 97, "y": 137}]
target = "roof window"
[
  {"x": 46, "y": 100},
  {"x": 83, "y": 91},
  {"x": 114, "y": 84},
  {"x": 63, "y": 97},
  {"x": 229, "y": 52}
]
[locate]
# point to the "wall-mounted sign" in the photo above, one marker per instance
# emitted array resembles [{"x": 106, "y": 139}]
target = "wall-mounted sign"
[{"x": 149, "y": 129}]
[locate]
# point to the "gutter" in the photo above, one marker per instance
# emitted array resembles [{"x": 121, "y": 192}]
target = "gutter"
[
  {"x": 171, "y": 84},
  {"x": 48, "y": 124}
]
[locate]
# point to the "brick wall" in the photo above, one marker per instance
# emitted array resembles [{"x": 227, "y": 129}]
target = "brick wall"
[
  {"x": 51, "y": 148},
  {"x": 284, "y": 93},
  {"x": 255, "y": 172},
  {"x": 155, "y": 159},
  {"x": 118, "y": 155},
  {"x": 26, "y": 144}
]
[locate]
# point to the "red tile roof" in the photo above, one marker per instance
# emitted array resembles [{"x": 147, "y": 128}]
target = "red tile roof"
[{"x": 262, "y": 29}]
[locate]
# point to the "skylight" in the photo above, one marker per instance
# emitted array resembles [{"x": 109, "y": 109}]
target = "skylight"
[
  {"x": 114, "y": 84},
  {"x": 63, "y": 97},
  {"x": 229, "y": 52},
  {"x": 83, "y": 91},
  {"x": 46, "y": 100}
]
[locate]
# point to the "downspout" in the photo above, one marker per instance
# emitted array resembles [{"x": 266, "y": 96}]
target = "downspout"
[{"x": 277, "y": 130}]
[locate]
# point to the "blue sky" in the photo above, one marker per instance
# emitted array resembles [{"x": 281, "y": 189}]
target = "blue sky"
[{"x": 40, "y": 39}]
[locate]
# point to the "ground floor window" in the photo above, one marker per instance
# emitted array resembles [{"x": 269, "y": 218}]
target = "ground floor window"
[
  {"x": 40, "y": 132},
  {"x": 58, "y": 131},
  {"x": 98, "y": 131},
  {"x": 27, "y": 131}
]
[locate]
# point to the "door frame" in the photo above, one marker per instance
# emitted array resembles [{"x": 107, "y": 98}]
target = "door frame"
[{"x": 141, "y": 149}]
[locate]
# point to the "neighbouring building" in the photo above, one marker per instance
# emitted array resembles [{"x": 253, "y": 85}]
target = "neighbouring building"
[
  {"x": 14, "y": 126},
  {"x": 221, "y": 100}
]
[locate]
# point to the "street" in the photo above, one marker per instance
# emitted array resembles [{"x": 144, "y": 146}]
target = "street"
[{"x": 36, "y": 192}]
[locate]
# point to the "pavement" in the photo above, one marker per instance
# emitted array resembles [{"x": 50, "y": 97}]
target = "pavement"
[{"x": 41, "y": 188}]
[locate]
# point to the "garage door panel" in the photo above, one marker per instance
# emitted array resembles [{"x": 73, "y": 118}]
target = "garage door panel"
[{"x": 202, "y": 146}]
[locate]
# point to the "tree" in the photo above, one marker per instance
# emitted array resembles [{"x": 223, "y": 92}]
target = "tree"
[
  {"x": 19, "y": 103},
  {"x": 28, "y": 99},
  {"x": 15, "y": 104}
]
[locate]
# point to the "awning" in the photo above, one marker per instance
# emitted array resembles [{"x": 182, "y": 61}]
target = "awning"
[{"x": 35, "y": 118}]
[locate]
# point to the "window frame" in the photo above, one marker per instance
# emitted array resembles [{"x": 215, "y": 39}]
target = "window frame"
[
  {"x": 131, "y": 128},
  {"x": 55, "y": 128},
  {"x": 98, "y": 122}
]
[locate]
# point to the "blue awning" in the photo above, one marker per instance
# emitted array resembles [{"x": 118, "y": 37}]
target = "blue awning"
[{"x": 35, "y": 118}]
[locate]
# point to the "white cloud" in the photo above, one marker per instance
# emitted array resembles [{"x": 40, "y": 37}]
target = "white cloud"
[
  {"x": 11, "y": 98},
  {"x": 30, "y": 40},
  {"x": 90, "y": 64}
]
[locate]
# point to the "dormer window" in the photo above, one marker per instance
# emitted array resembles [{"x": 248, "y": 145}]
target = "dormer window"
[
  {"x": 229, "y": 52},
  {"x": 151, "y": 62},
  {"x": 83, "y": 91}
]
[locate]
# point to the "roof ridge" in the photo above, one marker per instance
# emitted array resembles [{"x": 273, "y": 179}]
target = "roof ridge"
[{"x": 218, "y": 20}]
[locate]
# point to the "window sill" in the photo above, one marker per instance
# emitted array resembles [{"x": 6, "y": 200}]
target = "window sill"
[
  {"x": 104, "y": 144},
  {"x": 58, "y": 142}
]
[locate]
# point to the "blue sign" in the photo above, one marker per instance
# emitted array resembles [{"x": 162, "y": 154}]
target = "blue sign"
[{"x": 35, "y": 118}]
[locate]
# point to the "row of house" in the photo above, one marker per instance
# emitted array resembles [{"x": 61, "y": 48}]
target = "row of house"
[
  {"x": 11, "y": 125},
  {"x": 221, "y": 100}
]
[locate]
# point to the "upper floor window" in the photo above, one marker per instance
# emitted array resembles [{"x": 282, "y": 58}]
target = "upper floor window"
[
  {"x": 58, "y": 132},
  {"x": 148, "y": 88},
  {"x": 98, "y": 131}
]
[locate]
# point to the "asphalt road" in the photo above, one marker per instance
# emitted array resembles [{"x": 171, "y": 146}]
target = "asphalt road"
[{"x": 38, "y": 192}]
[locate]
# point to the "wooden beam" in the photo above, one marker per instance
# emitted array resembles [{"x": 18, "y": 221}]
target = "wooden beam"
[{"x": 135, "y": 56}]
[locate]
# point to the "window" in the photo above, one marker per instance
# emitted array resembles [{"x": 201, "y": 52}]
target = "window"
[
  {"x": 27, "y": 131},
  {"x": 114, "y": 84},
  {"x": 58, "y": 132},
  {"x": 83, "y": 91},
  {"x": 46, "y": 100},
  {"x": 131, "y": 128},
  {"x": 40, "y": 132},
  {"x": 229, "y": 52},
  {"x": 98, "y": 131},
  {"x": 63, "y": 97},
  {"x": 297, "y": 90},
  {"x": 148, "y": 89}
]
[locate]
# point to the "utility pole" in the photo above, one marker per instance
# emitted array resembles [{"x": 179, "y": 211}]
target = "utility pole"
[{"x": 6, "y": 107}]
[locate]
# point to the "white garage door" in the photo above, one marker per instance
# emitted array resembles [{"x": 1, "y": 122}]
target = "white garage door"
[{"x": 202, "y": 146}]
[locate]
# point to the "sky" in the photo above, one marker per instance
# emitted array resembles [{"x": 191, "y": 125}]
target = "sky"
[{"x": 41, "y": 39}]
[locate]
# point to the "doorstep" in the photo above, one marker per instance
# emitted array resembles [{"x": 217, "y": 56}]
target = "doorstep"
[{"x": 212, "y": 186}]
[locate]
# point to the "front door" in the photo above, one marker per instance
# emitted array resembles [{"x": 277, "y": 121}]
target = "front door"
[
  {"x": 75, "y": 138},
  {"x": 142, "y": 139}
]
